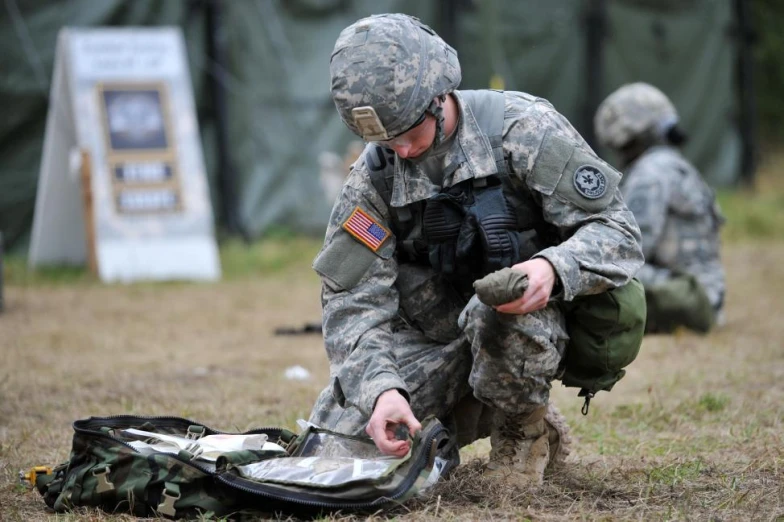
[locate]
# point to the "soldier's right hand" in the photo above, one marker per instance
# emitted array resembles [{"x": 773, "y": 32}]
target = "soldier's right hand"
[{"x": 392, "y": 409}]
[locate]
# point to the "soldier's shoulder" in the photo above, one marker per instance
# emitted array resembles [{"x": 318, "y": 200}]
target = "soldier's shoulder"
[
  {"x": 531, "y": 118},
  {"x": 522, "y": 97},
  {"x": 373, "y": 160},
  {"x": 664, "y": 162},
  {"x": 518, "y": 102}
]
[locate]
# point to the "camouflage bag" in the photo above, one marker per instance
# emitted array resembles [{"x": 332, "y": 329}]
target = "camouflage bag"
[{"x": 114, "y": 467}]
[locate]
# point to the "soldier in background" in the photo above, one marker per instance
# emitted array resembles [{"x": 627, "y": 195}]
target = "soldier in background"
[
  {"x": 677, "y": 212},
  {"x": 453, "y": 185}
]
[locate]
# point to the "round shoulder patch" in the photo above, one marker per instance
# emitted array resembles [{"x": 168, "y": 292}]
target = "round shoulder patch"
[{"x": 590, "y": 182}]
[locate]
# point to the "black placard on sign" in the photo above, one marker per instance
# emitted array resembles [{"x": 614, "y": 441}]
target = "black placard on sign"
[
  {"x": 148, "y": 200},
  {"x": 135, "y": 119},
  {"x": 138, "y": 172}
]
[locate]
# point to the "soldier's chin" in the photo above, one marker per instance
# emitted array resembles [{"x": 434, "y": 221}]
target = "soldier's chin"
[{"x": 420, "y": 155}]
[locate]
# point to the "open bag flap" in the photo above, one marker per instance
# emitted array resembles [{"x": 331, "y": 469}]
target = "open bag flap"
[{"x": 339, "y": 470}]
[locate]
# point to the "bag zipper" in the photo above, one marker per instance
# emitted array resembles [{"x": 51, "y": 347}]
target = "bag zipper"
[{"x": 175, "y": 421}]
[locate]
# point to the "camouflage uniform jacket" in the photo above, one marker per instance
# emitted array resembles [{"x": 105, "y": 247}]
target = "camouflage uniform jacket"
[
  {"x": 679, "y": 220},
  {"x": 598, "y": 248}
]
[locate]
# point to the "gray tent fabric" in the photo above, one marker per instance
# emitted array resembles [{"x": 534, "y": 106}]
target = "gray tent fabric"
[
  {"x": 535, "y": 46},
  {"x": 683, "y": 47},
  {"x": 280, "y": 107},
  {"x": 686, "y": 49},
  {"x": 281, "y": 121}
]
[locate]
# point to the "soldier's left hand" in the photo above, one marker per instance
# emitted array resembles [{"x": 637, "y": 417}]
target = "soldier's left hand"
[{"x": 541, "y": 279}]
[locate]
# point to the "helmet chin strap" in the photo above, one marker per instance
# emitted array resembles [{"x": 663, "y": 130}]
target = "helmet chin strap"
[{"x": 436, "y": 109}]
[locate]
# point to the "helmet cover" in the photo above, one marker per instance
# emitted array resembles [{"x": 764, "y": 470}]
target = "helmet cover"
[
  {"x": 633, "y": 110},
  {"x": 385, "y": 72}
]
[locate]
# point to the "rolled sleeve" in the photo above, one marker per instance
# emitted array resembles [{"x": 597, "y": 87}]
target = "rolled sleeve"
[
  {"x": 566, "y": 268},
  {"x": 374, "y": 386}
]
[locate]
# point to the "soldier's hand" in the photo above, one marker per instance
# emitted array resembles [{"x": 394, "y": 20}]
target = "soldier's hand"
[
  {"x": 541, "y": 279},
  {"x": 392, "y": 409}
]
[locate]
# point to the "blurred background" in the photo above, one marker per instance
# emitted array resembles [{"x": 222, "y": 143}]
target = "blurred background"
[{"x": 259, "y": 70}]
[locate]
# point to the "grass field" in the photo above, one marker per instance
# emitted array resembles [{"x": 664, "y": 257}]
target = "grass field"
[{"x": 694, "y": 432}]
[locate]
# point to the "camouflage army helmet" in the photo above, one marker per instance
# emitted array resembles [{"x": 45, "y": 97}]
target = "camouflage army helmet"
[
  {"x": 634, "y": 110},
  {"x": 385, "y": 72}
]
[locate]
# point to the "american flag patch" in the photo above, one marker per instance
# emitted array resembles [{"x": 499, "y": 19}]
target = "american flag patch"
[{"x": 366, "y": 229}]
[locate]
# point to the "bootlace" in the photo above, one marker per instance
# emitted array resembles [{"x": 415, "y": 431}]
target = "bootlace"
[{"x": 511, "y": 435}]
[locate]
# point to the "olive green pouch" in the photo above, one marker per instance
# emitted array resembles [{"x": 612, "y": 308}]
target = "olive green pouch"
[
  {"x": 606, "y": 332},
  {"x": 681, "y": 301}
]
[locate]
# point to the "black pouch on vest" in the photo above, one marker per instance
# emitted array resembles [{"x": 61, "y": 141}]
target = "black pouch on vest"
[
  {"x": 442, "y": 220},
  {"x": 490, "y": 230}
]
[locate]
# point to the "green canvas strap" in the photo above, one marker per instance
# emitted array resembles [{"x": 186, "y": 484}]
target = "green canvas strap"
[
  {"x": 169, "y": 497},
  {"x": 195, "y": 431},
  {"x": 286, "y": 438},
  {"x": 71, "y": 491},
  {"x": 488, "y": 107},
  {"x": 102, "y": 476},
  {"x": 172, "y": 495}
]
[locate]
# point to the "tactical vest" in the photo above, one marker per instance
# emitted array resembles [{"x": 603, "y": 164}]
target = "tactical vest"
[
  {"x": 408, "y": 223},
  {"x": 605, "y": 329}
]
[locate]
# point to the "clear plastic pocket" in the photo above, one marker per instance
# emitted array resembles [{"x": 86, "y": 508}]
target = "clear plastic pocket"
[{"x": 325, "y": 460}]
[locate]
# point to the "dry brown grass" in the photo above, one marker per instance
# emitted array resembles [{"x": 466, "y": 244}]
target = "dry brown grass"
[{"x": 694, "y": 432}]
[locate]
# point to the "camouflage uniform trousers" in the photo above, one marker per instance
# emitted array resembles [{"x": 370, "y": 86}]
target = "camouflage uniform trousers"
[{"x": 498, "y": 361}]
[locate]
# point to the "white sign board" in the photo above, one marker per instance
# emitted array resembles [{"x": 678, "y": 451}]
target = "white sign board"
[{"x": 122, "y": 114}]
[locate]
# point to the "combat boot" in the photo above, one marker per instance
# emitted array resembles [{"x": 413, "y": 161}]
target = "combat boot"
[{"x": 520, "y": 447}]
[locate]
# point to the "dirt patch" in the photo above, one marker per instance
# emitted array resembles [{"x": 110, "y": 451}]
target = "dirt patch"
[{"x": 694, "y": 431}]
